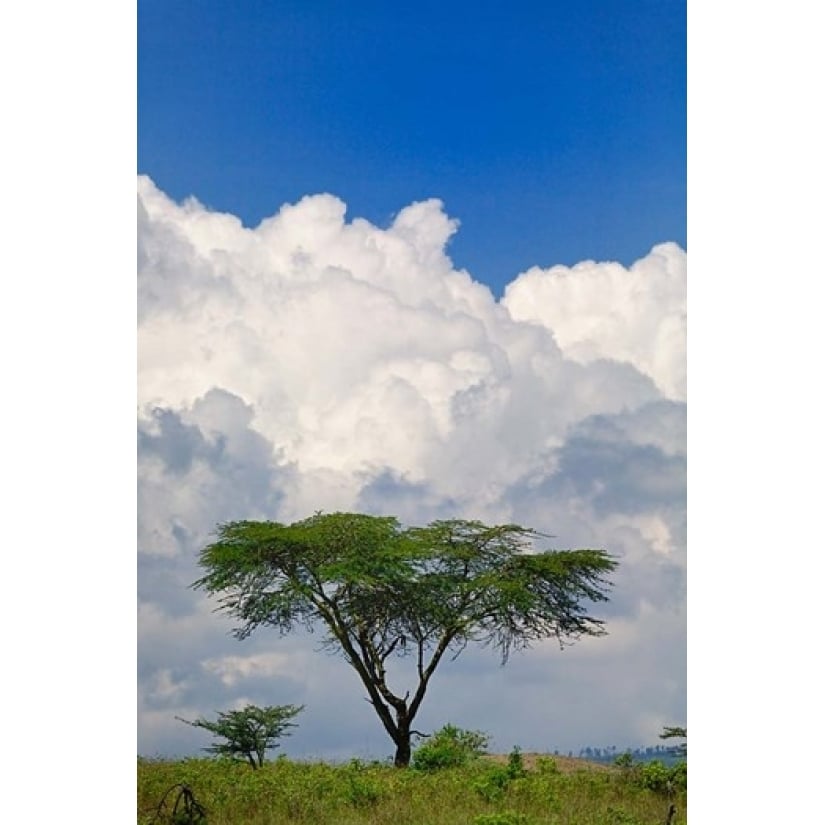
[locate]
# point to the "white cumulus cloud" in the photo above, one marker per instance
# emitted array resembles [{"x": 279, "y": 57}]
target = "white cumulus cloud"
[
  {"x": 315, "y": 362},
  {"x": 602, "y": 310}
]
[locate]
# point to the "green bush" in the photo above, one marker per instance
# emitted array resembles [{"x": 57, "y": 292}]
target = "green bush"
[
  {"x": 361, "y": 789},
  {"x": 654, "y": 776},
  {"x": 515, "y": 764},
  {"x": 450, "y": 747},
  {"x": 493, "y": 784},
  {"x": 546, "y": 765},
  {"x": 624, "y": 761}
]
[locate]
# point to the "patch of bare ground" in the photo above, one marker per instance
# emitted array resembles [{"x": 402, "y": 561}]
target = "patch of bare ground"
[{"x": 565, "y": 764}]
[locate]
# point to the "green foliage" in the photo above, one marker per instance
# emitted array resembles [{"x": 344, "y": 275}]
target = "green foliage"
[
  {"x": 624, "y": 761},
  {"x": 547, "y": 765},
  {"x": 362, "y": 790},
  {"x": 449, "y": 747},
  {"x": 503, "y": 818},
  {"x": 249, "y": 732},
  {"x": 380, "y": 590},
  {"x": 662, "y": 779},
  {"x": 617, "y": 816},
  {"x": 677, "y": 733},
  {"x": 654, "y": 775},
  {"x": 515, "y": 764},
  {"x": 304, "y": 793},
  {"x": 361, "y": 793},
  {"x": 493, "y": 784},
  {"x": 679, "y": 774},
  {"x": 497, "y": 779}
]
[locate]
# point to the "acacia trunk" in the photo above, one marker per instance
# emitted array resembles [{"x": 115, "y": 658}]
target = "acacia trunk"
[{"x": 402, "y": 750}]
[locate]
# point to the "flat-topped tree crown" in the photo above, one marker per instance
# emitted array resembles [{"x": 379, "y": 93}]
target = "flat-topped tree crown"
[{"x": 381, "y": 590}]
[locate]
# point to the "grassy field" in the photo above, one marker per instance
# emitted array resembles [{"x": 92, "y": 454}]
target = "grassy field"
[{"x": 535, "y": 790}]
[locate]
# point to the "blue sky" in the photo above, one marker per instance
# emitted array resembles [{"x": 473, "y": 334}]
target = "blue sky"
[{"x": 553, "y": 131}]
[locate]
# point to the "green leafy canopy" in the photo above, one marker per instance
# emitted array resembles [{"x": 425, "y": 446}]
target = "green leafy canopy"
[
  {"x": 248, "y": 732},
  {"x": 366, "y": 573}
]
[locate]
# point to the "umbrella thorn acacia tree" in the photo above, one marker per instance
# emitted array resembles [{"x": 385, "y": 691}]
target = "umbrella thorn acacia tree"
[
  {"x": 381, "y": 590},
  {"x": 249, "y": 732}
]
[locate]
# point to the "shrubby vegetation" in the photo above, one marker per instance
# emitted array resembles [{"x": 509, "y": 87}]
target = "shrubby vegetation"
[
  {"x": 480, "y": 791},
  {"x": 656, "y": 776},
  {"x": 450, "y": 747},
  {"x": 666, "y": 780}
]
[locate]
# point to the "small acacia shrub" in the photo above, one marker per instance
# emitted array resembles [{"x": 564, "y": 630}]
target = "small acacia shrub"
[{"x": 450, "y": 747}]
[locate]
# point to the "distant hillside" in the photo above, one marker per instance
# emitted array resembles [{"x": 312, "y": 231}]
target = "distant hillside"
[{"x": 667, "y": 754}]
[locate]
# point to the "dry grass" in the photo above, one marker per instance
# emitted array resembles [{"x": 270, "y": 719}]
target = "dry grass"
[{"x": 565, "y": 764}]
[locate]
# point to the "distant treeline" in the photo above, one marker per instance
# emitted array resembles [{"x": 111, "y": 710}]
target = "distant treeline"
[{"x": 666, "y": 754}]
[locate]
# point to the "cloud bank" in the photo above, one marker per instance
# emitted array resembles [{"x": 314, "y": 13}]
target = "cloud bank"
[{"x": 315, "y": 363}]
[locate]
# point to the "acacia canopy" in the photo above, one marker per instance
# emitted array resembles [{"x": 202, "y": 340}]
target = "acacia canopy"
[
  {"x": 249, "y": 732},
  {"x": 380, "y": 590}
]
